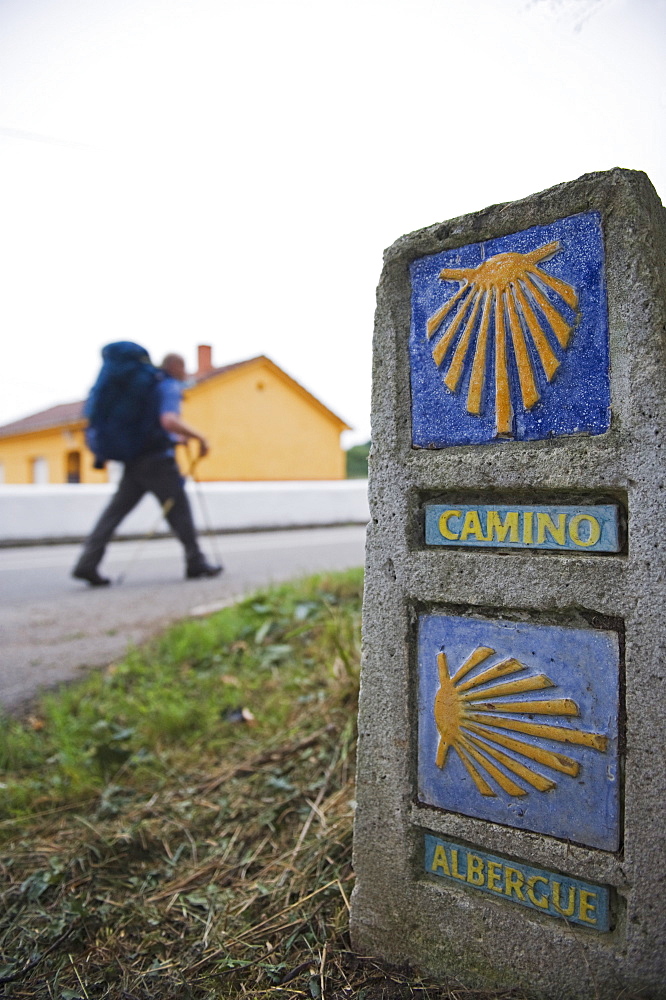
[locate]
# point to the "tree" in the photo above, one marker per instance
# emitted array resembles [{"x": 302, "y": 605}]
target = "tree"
[{"x": 357, "y": 461}]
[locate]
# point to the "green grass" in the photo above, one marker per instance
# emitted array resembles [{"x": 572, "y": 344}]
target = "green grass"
[
  {"x": 179, "y": 825},
  {"x": 168, "y": 702}
]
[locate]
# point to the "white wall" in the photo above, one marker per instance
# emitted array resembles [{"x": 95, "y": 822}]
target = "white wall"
[{"x": 34, "y": 513}]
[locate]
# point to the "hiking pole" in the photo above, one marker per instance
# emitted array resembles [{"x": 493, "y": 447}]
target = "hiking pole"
[
  {"x": 164, "y": 510},
  {"x": 203, "y": 505}
]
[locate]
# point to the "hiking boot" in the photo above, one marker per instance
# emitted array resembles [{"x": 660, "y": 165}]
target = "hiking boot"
[
  {"x": 199, "y": 569},
  {"x": 91, "y": 576}
]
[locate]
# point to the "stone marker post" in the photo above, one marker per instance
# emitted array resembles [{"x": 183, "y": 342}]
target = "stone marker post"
[{"x": 511, "y": 821}]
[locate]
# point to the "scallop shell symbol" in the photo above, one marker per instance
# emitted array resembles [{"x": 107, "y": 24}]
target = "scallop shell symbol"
[
  {"x": 476, "y": 718},
  {"x": 519, "y": 304}
]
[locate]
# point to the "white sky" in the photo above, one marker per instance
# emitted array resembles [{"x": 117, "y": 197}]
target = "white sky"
[{"x": 179, "y": 172}]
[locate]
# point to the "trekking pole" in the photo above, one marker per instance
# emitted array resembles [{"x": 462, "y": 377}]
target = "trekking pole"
[
  {"x": 203, "y": 504},
  {"x": 164, "y": 511}
]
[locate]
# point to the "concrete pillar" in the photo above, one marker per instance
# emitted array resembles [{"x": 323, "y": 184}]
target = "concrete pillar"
[{"x": 511, "y": 777}]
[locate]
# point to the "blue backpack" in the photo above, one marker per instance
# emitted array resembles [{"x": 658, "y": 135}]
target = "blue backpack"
[{"x": 123, "y": 406}]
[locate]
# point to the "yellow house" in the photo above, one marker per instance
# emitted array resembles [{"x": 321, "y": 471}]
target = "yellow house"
[{"x": 261, "y": 425}]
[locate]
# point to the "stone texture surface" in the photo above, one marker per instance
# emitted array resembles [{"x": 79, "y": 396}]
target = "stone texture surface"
[{"x": 397, "y": 912}]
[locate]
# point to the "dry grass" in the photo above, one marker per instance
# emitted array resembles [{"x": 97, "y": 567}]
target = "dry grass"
[{"x": 226, "y": 877}]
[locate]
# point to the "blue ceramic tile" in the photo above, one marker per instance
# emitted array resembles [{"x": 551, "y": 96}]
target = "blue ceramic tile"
[
  {"x": 509, "y": 338},
  {"x": 539, "y": 889},
  {"x": 518, "y": 724},
  {"x": 576, "y": 529}
]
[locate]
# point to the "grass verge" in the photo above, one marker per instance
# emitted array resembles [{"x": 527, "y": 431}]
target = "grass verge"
[{"x": 179, "y": 825}]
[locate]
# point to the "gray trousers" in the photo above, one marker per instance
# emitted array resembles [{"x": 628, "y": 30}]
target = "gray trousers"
[{"x": 157, "y": 474}]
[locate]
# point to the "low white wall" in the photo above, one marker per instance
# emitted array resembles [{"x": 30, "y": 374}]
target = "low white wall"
[{"x": 52, "y": 513}]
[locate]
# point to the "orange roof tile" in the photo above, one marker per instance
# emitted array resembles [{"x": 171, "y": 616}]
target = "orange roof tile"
[
  {"x": 72, "y": 413},
  {"x": 55, "y": 416}
]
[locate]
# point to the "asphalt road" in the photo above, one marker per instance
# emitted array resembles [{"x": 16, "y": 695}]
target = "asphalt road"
[{"x": 53, "y": 628}]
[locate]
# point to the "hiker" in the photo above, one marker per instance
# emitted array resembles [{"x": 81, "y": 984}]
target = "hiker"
[{"x": 155, "y": 471}]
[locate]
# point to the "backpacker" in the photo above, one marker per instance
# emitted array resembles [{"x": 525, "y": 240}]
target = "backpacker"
[{"x": 123, "y": 406}]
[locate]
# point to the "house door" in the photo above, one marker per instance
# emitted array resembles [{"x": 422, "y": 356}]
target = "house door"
[
  {"x": 73, "y": 470},
  {"x": 40, "y": 471}
]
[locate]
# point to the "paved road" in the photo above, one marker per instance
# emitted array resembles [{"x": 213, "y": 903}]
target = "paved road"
[{"x": 52, "y": 627}]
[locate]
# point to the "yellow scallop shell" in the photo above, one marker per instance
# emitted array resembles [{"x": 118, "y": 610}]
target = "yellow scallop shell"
[
  {"x": 518, "y": 304},
  {"x": 480, "y": 719}
]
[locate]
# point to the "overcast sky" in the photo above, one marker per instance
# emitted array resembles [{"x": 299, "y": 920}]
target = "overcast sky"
[{"x": 228, "y": 172}]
